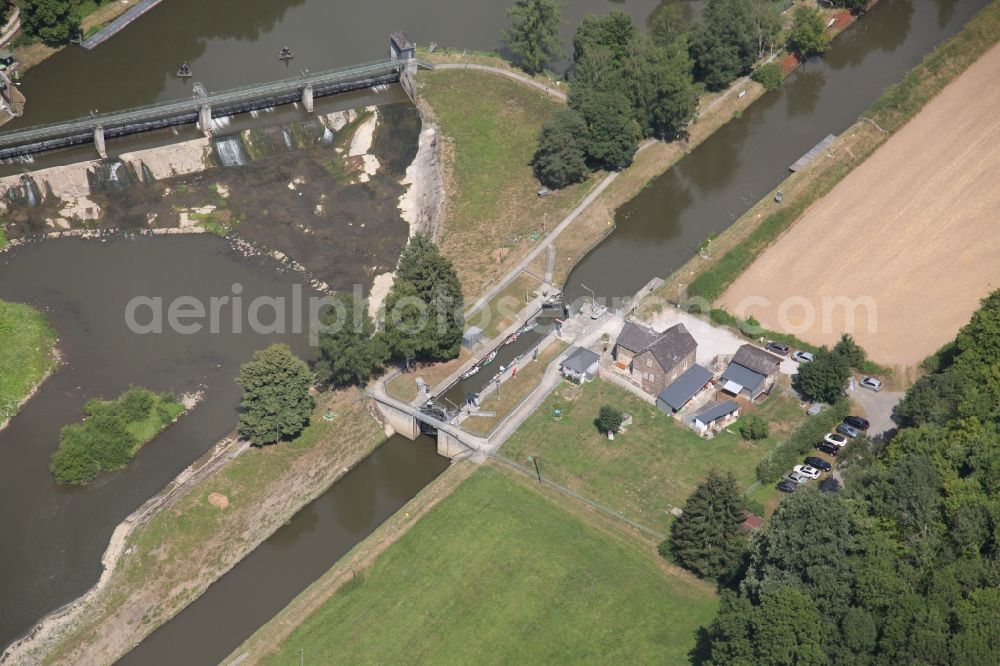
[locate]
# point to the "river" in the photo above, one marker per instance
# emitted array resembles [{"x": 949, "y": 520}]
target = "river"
[
  {"x": 662, "y": 227},
  {"x": 83, "y": 286}
]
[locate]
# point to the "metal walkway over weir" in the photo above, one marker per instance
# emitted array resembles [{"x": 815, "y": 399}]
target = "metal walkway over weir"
[{"x": 204, "y": 105}]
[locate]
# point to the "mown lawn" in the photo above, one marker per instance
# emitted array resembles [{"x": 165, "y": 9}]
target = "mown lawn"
[
  {"x": 653, "y": 466},
  {"x": 499, "y": 574},
  {"x": 491, "y": 125},
  {"x": 25, "y": 353}
]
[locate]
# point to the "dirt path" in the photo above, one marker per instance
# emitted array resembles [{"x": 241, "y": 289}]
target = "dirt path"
[
  {"x": 548, "y": 90},
  {"x": 901, "y": 251}
]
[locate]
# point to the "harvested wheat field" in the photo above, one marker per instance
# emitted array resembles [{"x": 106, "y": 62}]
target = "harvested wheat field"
[{"x": 909, "y": 241}]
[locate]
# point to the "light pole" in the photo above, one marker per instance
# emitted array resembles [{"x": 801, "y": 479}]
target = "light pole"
[{"x": 593, "y": 297}]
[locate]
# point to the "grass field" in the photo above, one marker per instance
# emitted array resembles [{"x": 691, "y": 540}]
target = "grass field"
[
  {"x": 491, "y": 126},
  {"x": 501, "y": 311},
  {"x": 26, "y": 354},
  {"x": 648, "y": 469},
  {"x": 497, "y": 573}
]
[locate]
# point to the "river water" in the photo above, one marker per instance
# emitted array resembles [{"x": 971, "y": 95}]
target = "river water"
[
  {"x": 83, "y": 286},
  {"x": 661, "y": 228}
]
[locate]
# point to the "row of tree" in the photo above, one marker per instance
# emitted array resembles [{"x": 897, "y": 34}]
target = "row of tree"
[
  {"x": 52, "y": 21},
  {"x": 902, "y": 566},
  {"x": 628, "y": 84}
]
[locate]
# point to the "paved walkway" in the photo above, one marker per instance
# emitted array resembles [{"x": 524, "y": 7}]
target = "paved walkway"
[{"x": 510, "y": 74}]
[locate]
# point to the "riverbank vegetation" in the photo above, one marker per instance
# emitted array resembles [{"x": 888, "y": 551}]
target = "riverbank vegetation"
[
  {"x": 111, "y": 434},
  {"x": 538, "y": 582},
  {"x": 276, "y": 399},
  {"x": 902, "y": 566},
  {"x": 651, "y": 467},
  {"x": 489, "y": 126},
  {"x": 175, "y": 553},
  {"x": 27, "y": 354},
  {"x": 735, "y": 249}
]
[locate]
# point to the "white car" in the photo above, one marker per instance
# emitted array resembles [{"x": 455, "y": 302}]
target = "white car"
[
  {"x": 835, "y": 438},
  {"x": 806, "y": 470},
  {"x": 803, "y": 357},
  {"x": 797, "y": 477},
  {"x": 871, "y": 384}
]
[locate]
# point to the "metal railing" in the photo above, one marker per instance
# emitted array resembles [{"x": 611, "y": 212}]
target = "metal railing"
[{"x": 222, "y": 99}]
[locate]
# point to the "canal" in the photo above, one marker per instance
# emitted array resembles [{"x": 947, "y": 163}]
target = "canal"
[
  {"x": 662, "y": 227},
  {"x": 83, "y": 285}
]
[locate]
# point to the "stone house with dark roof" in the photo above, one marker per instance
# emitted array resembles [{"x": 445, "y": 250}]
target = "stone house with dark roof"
[
  {"x": 751, "y": 372},
  {"x": 654, "y": 360}
]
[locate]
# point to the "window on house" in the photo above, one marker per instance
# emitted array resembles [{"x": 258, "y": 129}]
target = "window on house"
[{"x": 649, "y": 363}]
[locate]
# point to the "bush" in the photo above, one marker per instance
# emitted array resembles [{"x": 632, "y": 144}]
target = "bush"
[
  {"x": 768, "y": 75},
  {"x": 136, "y": 403},
  {"x": 609, "y": 419},
  {"x": 753, "y": 427}
]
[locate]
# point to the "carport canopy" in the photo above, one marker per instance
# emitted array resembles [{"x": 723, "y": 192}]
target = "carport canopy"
[{"x": 732, "y": 387}]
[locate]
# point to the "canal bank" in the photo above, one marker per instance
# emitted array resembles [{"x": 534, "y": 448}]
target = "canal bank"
[{"x": 665, "y": 224}]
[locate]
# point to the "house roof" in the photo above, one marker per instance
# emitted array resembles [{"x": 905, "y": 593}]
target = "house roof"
[
  {"x": 717, "y": 411},
  {"x": 672, "y": 346},
  {"x": 684, "y": 387},
  {"x": 756, "y": 359},
  {"x": 580, "y": 360},
  {"x": 635, "y": 337},
  {"x": 752, "y": 522},
  {"x": 743, "y": 376}
]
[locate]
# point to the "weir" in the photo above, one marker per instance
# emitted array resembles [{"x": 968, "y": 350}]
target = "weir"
[{"x": 203, "y": 105}]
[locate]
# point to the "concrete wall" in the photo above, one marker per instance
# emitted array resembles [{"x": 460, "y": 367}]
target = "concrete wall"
[{"x": 399, "y": 421}]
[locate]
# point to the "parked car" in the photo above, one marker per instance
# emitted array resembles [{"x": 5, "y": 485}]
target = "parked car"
[
  {"x": 802, "y": 357},
  {"x": 857, "y": 422},
  {"x": 828, "y": 449},
  {"x": 806, "y": 470},
  {"x": 787, "y": 486},
  {"x": 850, "y": 431},
  {"x": 835, "y": 439},
  {"x": 779, "y": 348},
  {"x": 818, "y": 463},
  {"x": 797, "y": 477},
  {"x": 871, "y": 384}
]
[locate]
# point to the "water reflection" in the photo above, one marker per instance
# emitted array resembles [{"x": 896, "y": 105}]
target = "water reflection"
[{"x": 802, "y": 98}]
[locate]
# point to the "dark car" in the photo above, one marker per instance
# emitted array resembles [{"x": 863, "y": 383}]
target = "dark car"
[
  {"x": 857, "y": 422},
  {"x": 778, "y": 348},
  {"x": 819, "y": 464},
  {"x": 847, "y": 430},
  {"x": 828, "y": 449},
  {"x": 787, "y": 487}
]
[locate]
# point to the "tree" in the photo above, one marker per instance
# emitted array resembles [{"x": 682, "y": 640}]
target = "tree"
[
  {"x": 609, "y": 419},
  {"x": 350, "y": 352},
  {"x": 765, "y": 26},
  {"x": 52, "y": 21},
  {"x": 560, "y": 159},
  {"x": 661, "y": 87},
  {"x": 824, "y": 378},
  {"x": 406, "y": 326},
  {"x": 725, "y": 45},
  {"x": 808, "y": 36},
  {"x": 668, "y": 23},
  {"x": 534, "y": 32},
  {"x": 612, "y": 33},
  {"x": 706, "y": 538},
  {"x": 436, "y": 284},
  {"x": 753, "y": 427},
  {"x": 276, "y": 400},
  {"x": 852, "y": 353},
  {"x": 854, "y": 6},
  {"x": 600, "y": 99}
]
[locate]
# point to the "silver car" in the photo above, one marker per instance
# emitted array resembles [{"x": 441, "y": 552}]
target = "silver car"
[
  {"x": 871, "y": 384},
  {"x": 802, "y": 357}
]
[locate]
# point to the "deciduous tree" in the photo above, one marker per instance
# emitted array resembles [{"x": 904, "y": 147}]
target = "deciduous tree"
[
  {"x": 534, "y": 32},
  {"x": 825, "y": 377},
  {"x": 276, "y": 401},
  {"x": 350, "y": 352},
  {"x": 808, "y": 36},
  {"x": 561, "y": 157},
  {"x": 52, "y": 21}
]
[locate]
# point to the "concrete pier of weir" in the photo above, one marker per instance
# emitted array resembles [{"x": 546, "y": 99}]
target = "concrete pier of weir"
[{"x": 410, "y": 422}]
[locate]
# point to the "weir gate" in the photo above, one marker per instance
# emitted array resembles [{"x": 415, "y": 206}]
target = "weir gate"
[{"x": 203, "y": 105}]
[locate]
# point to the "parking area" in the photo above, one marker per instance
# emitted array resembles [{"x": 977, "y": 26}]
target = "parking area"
[{"x": 877, "y": 408}]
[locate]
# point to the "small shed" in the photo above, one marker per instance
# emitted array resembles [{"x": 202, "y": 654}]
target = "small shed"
[
  {"x": 751, "y": 523},
  {"x": 683, "y": 389},
  {"x": 580, "y": 365},
  {"x": 717, "y": 416},
  {"x": 471, "y": 337}
]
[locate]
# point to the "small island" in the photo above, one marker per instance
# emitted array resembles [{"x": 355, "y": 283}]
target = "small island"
[
  {"x": 112, "y": 433},
  {"x": 27, "y": 355}
]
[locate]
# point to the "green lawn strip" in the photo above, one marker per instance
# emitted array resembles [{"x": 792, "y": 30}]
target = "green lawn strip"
[
  {"x": 650, "y": 468},
  {"x": 497, "y": 573},
  {"x": 26, "y": 354},
  {"x": 891, "y": 111}
]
